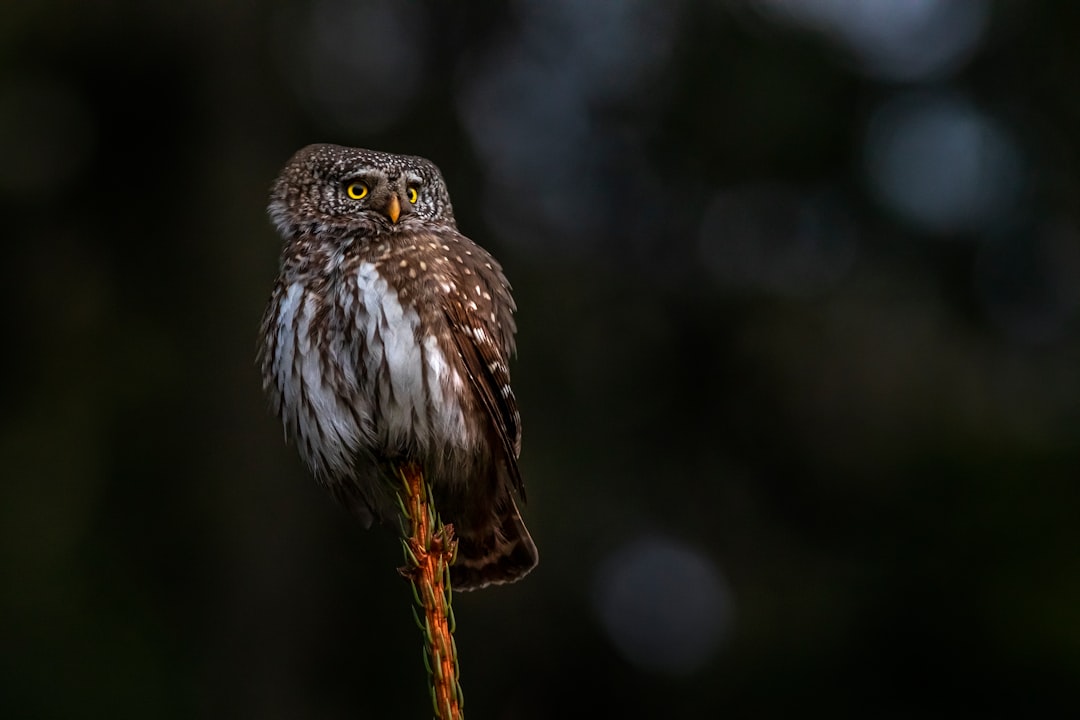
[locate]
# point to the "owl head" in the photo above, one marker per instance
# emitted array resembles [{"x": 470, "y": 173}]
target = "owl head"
[{"x": 332, "y": 190}]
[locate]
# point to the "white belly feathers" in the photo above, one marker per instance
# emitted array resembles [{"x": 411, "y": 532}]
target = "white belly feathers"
[{"x": 416, "y": 389}]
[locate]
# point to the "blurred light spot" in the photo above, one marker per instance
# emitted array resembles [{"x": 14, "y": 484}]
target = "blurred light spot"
[
  {"x": 525, "y": 119},
  {"x": 611, "y": 50},
  {"x": 1029, "y": 282},
  {"x": 530, "y": 107},
  {"x": 777, "y": 240},
  {"x": 531, "y": 134},
  {"x": 357, "y": 64},
  {"x": 907, "y": 40},
  {"x": 47, "y": 136},
  {"x": 664, "y": 605},
  {"x": 941, "y": 164}
]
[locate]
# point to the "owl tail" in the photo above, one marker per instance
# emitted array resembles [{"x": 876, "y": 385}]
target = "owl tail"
[{"x": 497, "y": 553}]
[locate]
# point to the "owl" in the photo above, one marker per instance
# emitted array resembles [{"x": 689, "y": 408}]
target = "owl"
[{"x": 387, "y": 340}]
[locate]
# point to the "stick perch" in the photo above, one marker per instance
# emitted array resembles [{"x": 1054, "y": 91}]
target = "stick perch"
[{"x": 429, "y": 551}]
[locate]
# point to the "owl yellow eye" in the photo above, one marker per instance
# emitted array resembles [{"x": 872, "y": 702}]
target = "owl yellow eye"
[
  {"x": 357, "y": 190},
  {"x": 413, "y": 195}
]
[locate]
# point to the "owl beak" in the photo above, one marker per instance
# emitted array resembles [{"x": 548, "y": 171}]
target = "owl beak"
[{"x": 393, "y": 210}]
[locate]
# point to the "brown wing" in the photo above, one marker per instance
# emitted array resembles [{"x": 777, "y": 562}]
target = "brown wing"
[{"x": 484, "y": 346}]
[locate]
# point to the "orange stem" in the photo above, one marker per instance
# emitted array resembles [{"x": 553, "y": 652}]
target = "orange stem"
[{"x": 431, "y": 548}]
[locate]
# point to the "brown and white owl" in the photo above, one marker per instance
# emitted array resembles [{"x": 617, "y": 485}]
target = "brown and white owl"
[{"x": 386, "y": 341}]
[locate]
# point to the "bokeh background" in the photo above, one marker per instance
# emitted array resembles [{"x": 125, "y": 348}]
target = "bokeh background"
[{"x": 799, "y": 290}]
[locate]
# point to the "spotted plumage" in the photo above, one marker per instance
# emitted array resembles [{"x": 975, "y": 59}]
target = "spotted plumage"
[{"x": 387, "y": 340}]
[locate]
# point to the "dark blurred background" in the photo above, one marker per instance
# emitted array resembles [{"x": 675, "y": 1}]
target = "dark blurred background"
[{"x": 799, "y": 309}]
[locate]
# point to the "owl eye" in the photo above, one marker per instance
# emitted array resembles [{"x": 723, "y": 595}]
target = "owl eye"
[
  {"x": 413, "y": 195},
  {"x": 357, "y": 190}
]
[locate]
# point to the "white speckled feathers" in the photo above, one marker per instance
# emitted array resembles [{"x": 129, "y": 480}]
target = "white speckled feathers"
[{"x": 387, "y": 340}]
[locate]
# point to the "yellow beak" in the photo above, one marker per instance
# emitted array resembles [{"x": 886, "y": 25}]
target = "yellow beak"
[{"x": 393, "y": 210}]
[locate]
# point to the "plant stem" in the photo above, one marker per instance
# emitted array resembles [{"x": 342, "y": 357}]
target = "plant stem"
[{"x": 429, "y": 551}]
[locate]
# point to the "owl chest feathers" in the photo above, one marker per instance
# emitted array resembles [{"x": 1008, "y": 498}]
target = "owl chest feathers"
[{"x": 357, "y": 371}]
